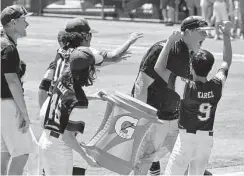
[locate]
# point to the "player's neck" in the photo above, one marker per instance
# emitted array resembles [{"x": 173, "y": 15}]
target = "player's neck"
[
  {"x": 199, "y": 78},
  {"x": 11, "y": 34},
  {"x": 84, "y": 43}
]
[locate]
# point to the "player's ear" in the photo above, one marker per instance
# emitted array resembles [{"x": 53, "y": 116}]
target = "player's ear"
[
  {"x": 12, "y": 22},
  {"x": 187, "y": 32},
  {"x": 86, "y": 37}
]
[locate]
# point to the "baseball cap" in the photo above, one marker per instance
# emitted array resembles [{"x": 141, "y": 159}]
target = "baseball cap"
[
  {"x": 13, "y": 12},
  {"x": 79, "y": 25},
  {"x": 81, "y": 58},
  {"x": 195, "y": 22}
]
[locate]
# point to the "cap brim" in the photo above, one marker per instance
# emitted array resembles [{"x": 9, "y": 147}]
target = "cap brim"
[
  {"x": 207, "y": 28},
  {"x": 93, "y": 31}
]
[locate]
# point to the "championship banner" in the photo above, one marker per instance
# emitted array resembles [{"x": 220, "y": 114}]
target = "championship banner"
[{"x": 125, "y": 135}]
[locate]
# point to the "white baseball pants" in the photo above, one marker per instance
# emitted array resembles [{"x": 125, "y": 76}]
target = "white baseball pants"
[
  {"x": 55, "y": 156},
  {"x": 12, "y": 140},
  {"x": 190, "y": 149}
]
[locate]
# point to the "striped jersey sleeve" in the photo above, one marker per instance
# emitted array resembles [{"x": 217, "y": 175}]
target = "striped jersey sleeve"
[
  {"x": 221, "y": 76},
  {"x": 48, "y": 76}
]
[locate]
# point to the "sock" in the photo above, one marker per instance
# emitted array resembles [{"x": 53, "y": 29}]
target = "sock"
[{"x": 155, "y": 168}]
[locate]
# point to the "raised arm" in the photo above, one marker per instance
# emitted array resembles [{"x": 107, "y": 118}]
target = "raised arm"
[
  {"x": 227, "y": 52},
  {"x": 227, "y": 48},
  {"x": 161, "y": 64},
  {"x": 115, "y": 55}
]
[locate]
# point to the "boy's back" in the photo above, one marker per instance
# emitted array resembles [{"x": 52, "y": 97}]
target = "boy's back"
[{"x": 199, "y": 102}]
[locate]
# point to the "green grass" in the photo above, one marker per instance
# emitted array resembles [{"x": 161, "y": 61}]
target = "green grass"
[{"x": 39, "y": 48}]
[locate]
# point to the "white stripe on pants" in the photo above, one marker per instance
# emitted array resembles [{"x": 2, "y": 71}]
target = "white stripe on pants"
[
  {"x": 56, "y": 157},
  {"x": 190, "y": 149}
]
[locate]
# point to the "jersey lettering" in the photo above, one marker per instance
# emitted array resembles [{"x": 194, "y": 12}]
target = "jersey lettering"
[
  {"x": 204, "y": 95},
  {"x": 61, "y": 88},
  {"x": 54, "y": 113}
]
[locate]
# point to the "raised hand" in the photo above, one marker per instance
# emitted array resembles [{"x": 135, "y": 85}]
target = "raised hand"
[
  {"x": 124, "y": 56},
  {"x": 135, "y": 36},
  {"x": 175, "y": 36}
]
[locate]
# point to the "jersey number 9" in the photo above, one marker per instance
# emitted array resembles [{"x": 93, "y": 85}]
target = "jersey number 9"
[{"x": 204, "y": 109}]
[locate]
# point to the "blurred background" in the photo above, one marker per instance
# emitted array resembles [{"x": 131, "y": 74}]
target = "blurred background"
[{"x": 169, "y": 12}]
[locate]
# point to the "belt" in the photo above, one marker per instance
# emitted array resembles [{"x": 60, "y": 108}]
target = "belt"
[
  {"x": 54, "y": 134},
  {"x": 210, "y": 133},
  {"x": 7, "y": 98}
]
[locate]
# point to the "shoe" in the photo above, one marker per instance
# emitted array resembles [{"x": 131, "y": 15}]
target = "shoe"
[
  {"x": 207, "y": 173},
  {"x": 242, "y": 36},
  {"x": 169, "y": 23}
]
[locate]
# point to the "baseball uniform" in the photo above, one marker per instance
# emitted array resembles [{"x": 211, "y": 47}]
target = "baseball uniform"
[
  {"x": 149, "y": 87},
  {"x": 193, "y": 146}
]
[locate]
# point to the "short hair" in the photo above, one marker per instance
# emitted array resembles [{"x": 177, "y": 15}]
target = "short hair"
[
  {"x": 62, "y": 37},
  {"x": 202, "y": 62}
]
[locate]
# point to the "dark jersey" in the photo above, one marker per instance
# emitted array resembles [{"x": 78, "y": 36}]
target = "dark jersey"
[
  {"x": 63, "y": 100},
  {"x": 10, "y": 63},
  {"x": 56, "y": 67},
  {"x": 165, "y": 100},
  {"x": 199, "y": 101}
]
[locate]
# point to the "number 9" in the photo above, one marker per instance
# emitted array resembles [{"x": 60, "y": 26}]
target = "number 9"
[{"x": 204, "y": 109}]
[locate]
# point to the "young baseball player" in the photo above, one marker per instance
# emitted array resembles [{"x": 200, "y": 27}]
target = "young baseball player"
[
  {"x": 58, "y": 138},
  {"x": 152, "y": 89},
  {"x": 199, "y": 99},
  {"x": 17, "y": 139},
  {"x": 79, "y": 31}
]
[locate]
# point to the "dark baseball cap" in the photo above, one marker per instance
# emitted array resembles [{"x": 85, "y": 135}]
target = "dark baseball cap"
[
  {"x": 81, "y": 58},
  {"x": 79, "y": 25},
  {"x": 13, "y": 12},
  {"x": 195, "y": 22}
]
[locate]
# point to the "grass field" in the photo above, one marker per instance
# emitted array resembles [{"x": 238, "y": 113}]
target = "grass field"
[{"x": 39, "y": 48}]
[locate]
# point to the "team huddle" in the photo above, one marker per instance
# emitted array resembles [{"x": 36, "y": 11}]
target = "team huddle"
[{"x": 172, "y": 77}]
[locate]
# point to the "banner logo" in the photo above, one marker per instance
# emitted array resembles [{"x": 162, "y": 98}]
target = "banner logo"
[{"x": 125, "y": 126}]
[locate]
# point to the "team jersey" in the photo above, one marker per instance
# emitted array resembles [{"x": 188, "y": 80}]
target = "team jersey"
[
  {"x": 63, "y": 100},
  {"x": 199, "y": 101},
  {"x": 10, "y": 63},
  {"x": 153, "y": 88},
  {"x": 56, "y": 67}
]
